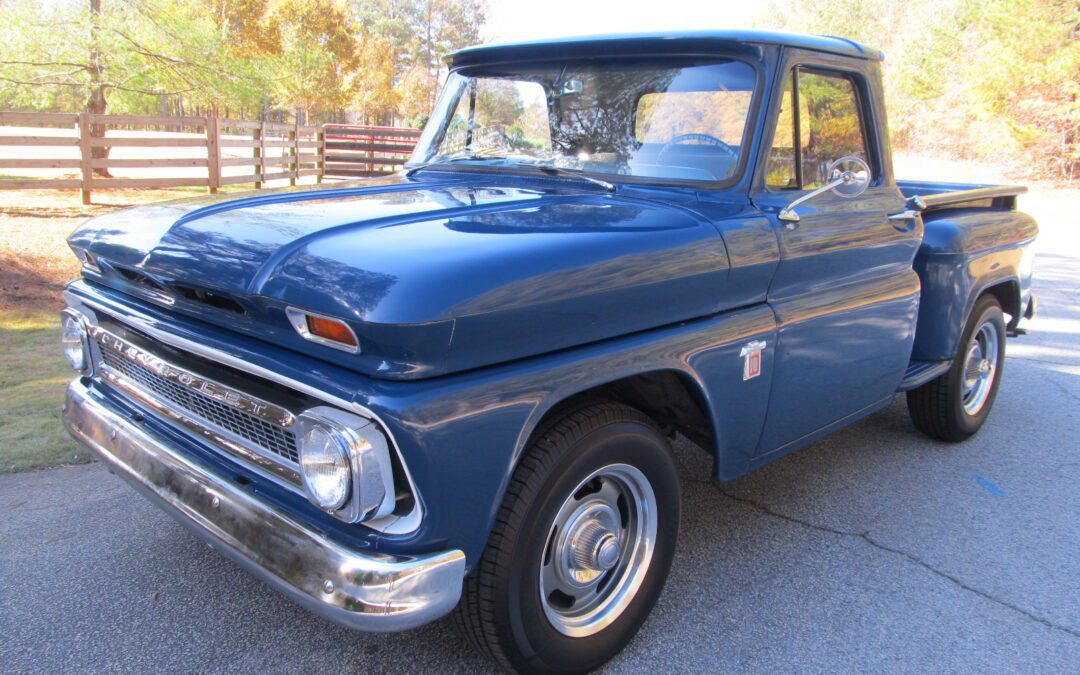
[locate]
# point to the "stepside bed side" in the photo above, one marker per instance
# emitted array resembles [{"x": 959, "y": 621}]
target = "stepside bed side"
[{"x": 975, "y": 241}]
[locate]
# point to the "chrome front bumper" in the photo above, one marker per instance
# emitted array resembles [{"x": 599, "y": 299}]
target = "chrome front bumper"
[{"x": 360, "y": 590}]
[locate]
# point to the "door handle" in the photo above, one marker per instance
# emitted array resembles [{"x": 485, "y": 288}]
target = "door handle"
[
  {"x": 910, "y": 214},
  {"x": 904, "y": 221}
]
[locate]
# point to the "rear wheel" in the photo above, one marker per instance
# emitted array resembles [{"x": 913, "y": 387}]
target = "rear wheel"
[
  {"x": 581, "y": 547},
  {"x": 954, "y": 406}
]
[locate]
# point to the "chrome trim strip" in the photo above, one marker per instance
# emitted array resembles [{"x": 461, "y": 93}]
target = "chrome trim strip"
[
  {"x": 359, "y": 590},
  {"x": 391, "y": 524},
  {"x": 229, "y": 396},
  {"x": 933, "y": 201}
]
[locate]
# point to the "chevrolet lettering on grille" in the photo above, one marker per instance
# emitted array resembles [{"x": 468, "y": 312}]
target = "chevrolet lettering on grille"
[{"x": 214, "y": 390}]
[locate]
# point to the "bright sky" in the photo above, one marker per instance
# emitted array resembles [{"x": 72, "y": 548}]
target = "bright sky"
[{"x": 510, "y": 20}]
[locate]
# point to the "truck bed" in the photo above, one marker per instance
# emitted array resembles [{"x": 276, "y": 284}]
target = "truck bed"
[{"x": 962, "y": 195}]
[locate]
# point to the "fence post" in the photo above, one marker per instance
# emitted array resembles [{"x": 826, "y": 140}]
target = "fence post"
[
  {"x": 371, "y": 153},
  {"x": 257, "y": 152},
  {"x": 213, "y": 153},
  {"x": 85, "y": 155},
  {"x": 294, "y": 165},
  {"x": 320, "y": 160}
]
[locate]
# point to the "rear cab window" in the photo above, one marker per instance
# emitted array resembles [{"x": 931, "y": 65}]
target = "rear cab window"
[{"x": 664, "y": 116}]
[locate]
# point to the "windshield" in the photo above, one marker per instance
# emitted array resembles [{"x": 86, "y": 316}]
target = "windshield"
[{"x": 672, "y": 120}]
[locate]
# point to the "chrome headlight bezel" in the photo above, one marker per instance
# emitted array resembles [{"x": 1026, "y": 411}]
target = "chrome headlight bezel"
[
  {"x": 370, "y": 492},
  {"x": 79, "y": 338}
]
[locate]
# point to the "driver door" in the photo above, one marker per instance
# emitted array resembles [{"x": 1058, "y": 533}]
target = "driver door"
[{"x": 844, "y": 293}]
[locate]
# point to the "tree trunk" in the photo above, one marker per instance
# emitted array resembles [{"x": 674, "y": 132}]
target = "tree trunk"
[
  {"x": 97, "y": 104},
  {"x": 433, "y": 77}
]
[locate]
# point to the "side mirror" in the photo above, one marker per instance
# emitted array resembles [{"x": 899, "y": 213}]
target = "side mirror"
[
  {"x": 848, "y": 177},
  {"x": 569, "y": 87}
]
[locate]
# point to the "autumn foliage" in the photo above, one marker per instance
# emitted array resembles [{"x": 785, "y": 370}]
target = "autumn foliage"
[
  {"x": 315, "y": 60},
  {"x": 990, "y": 80}
]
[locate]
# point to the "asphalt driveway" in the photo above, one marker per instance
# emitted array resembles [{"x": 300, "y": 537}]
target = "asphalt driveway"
[{"x": 874, "y": 550}]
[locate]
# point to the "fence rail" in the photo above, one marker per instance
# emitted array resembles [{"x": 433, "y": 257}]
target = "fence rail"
[
  {"x": 208, "y": 152},
  {"x": 362, "y": 151}
]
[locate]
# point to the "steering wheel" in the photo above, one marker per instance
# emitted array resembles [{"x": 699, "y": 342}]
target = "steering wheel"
[{"x": 705, "y": 138}]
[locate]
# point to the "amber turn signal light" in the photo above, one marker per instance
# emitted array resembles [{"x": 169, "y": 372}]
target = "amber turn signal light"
[
  {"x": 331, "y": 329},
  {"x": 325, "y": 330}
]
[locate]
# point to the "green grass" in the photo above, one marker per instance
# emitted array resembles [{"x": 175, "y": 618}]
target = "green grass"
[{"x": 33, "y": 376}]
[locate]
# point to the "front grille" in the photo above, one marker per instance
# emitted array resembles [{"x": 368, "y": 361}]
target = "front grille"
[{"x": 271, "y": 437}]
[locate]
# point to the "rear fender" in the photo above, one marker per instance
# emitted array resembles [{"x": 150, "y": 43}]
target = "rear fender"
[{"x": 968, "y": 252}]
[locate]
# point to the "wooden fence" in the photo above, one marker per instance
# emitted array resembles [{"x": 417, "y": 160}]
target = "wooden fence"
[
  {"x": 361, "y": 151},
  {"x": 205, "y": 152}
]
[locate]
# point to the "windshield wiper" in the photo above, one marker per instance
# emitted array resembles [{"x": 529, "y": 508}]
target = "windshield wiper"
[
  {"x": 575, "y": 173},
  {"x": 450, "y": 160},
  {"x": 544, "y": 168}
]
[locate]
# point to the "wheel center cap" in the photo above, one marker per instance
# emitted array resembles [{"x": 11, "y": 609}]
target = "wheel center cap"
[
  {"x": 594, "y": 548},
  {"x": 587, "y": 544},
  {"x": 984, "y": 366},
  {"x": 607, "y": 552}
]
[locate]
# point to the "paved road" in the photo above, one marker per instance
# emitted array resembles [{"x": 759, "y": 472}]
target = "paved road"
[{"x": 873, "y": 550}]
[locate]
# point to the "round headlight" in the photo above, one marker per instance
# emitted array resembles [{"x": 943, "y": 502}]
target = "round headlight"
[
  {"x": 324, "y": 466},
  {"x": 345, "y": 464},
  {"x": 71, "y": 339}
]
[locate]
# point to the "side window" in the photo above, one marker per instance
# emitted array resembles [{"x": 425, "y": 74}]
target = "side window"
[
  {"x": 830, "y": 105},
  {"x": 829, "y": 126},
  {"x": 780, "y": 171}
]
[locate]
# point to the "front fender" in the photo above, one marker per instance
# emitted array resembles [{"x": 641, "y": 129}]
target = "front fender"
[{"x": 463, "y": 436}]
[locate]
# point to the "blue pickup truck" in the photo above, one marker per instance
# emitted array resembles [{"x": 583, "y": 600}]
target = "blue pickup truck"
[{"x": 454, "y": 388}]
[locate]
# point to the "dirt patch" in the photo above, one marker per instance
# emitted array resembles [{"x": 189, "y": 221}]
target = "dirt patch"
[
  {"x": 32, "y": 281},
  {"x": 35, "y": 261}
]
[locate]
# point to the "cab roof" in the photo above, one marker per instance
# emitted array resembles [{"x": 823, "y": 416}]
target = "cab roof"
[{"x": 656, "y": 42}]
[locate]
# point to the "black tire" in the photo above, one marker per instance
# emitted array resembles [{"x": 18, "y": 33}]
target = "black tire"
[
  {"x": 502, "y": 612},
  {"x": 937, "y": 408}
]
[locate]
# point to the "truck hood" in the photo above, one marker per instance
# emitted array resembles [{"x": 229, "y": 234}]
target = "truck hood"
[{"x": 434, "y": 276}]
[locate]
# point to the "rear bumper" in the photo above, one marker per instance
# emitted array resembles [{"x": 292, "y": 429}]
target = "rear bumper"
[
  {"x": 360, "y": 590},
  {"x": 1014, "y": 329}
]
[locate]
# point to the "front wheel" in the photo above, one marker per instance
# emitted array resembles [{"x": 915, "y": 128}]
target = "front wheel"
[
  {"x": 954, "y": 406},
  {"x": 581, "y": 547}
]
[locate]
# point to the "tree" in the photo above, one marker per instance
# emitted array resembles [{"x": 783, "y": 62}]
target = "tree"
[
  {"x": 319, "y": 55},
  {"x": 64, "y": 51},
  {"x": 99, "y": 56},
  {"x": 420, "y": 33},
  {"x": 994, "y": 80},
  {"x": 376, "y": 98}
]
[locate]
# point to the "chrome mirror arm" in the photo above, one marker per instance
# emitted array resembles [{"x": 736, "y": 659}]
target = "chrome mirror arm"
[{"x": 787, "y": 214}]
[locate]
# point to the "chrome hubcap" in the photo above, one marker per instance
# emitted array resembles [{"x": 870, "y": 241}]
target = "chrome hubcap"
[
  {"x": 980, "y": 367},
  {"x": 598, "y": 550}
]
